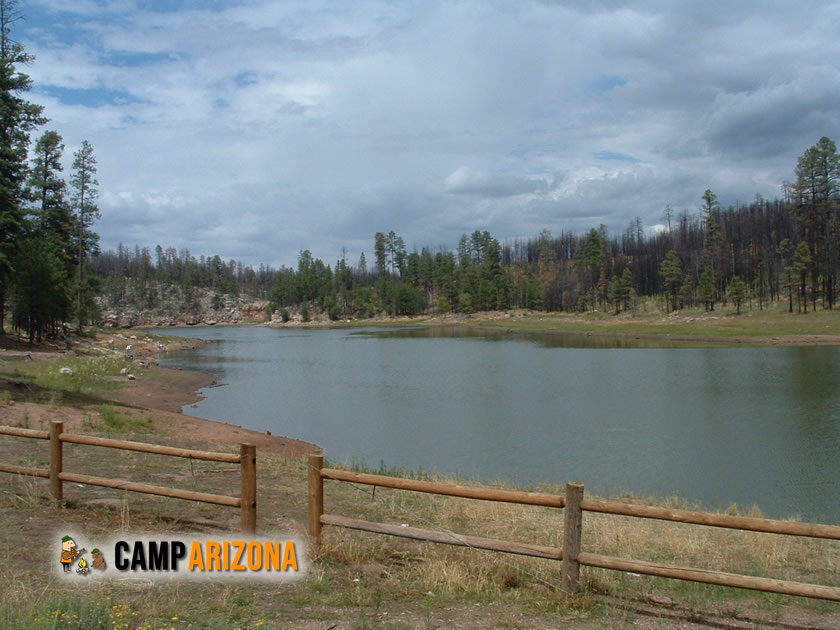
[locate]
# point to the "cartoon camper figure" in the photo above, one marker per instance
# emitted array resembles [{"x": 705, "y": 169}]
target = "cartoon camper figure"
[
  {"x": 69, "y": 553},
  {"x": 98, "y": 560}
]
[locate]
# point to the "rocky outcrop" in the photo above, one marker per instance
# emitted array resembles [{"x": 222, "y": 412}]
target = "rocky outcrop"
[
  {"x": 255, "y": 311},
  {"x": 170, "y": 308}
]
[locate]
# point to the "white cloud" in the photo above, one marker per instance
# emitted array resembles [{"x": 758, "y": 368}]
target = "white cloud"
[{"x": 255, "y": 129}]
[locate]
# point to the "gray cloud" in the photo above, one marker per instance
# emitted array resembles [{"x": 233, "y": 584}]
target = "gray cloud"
[
  {"x": 256, "y": 129},
  {"x": 464, "y": 180}
]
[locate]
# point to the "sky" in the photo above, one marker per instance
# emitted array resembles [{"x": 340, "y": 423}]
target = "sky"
[{"x": 254, "y": 129}]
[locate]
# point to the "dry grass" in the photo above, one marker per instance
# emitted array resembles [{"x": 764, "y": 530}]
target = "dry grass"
[
  {"x": 475, "y": 573},
  {"x": 360, "y": 578}
]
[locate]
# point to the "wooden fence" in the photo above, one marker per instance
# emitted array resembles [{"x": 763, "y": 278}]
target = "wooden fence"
[
  {"x": 571, "y": 555},
  {"x": 247, "y": 460}
]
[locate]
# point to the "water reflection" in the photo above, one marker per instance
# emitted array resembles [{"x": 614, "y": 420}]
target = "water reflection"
[{"x": 545, "y": 339}]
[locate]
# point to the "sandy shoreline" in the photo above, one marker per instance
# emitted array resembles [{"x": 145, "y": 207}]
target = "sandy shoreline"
[
  {"x": 168, "y": 390},
  {"x": 156, "y": 392}
]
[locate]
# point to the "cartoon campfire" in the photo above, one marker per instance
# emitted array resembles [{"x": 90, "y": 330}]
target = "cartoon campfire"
[{"x": 83, "y": 567}]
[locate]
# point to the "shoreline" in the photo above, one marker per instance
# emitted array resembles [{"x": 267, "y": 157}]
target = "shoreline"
[
  {"x": 155, "y": 392},
  {"x": 513, "y": 322},
  {"x": 171, "y": 389}
]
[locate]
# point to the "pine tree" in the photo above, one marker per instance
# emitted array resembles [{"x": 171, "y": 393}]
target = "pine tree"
[
  {"x": 379, "y": 252},
  {"x": 18, "y": 118},
  {"x": 736, "y": 291},
  {"x": 816, "y": 199},
  {"x": 44, "y": 260},
  {"x": 47, "y": 191},
  {"x": 707, "y": 288},
  {"x": 802, "y": 261},
  {"x": 84, "y": 185},
  {"x": 671, "y": 271},
  {"x": 713, "y": 242}
]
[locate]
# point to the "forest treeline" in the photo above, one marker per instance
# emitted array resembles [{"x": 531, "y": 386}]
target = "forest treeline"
[{"x": 784, "y": 249}]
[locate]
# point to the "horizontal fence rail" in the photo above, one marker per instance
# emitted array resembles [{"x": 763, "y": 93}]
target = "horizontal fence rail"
[
  {"x": 317, "y": 518},
  {"x": 574, "y": 504},
  {"x": 247, "y": 460},
  {"x": 453, "y": 490},
  {"x": 489, "y": 544},
  {"x": 25, "y": 470},
  {"x": 145, "y": 488},
  {"x": 143, "y": 447},
  {"x": 711, "y": 577},
  {"x": 748, "y": 523},
  {"x": 27, "y": 433}
]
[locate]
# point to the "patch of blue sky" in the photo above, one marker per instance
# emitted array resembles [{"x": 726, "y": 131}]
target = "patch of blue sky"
[
  {"x": 131, "y": 59},
  {"x": 244, "y": 79},
  {"x": 47, "y": 27},
  {"x": 167, "y": 6},
  {"x": 607, "y": 82},
  {"x": 614, "y": 156},
  {"x": 90, "y": 97},
  {"x": 528, "y": 152}
]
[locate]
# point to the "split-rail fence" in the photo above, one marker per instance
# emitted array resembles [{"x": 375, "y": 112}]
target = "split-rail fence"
[
  {"x": 247, "y": 460},
  {"x": 574, "y": 503}
]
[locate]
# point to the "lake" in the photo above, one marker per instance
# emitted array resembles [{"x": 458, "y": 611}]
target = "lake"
[{"x": 715, "y": 425}]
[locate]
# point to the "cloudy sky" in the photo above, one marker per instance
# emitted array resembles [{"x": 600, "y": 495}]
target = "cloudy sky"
[{"x": 253, "y": 129}]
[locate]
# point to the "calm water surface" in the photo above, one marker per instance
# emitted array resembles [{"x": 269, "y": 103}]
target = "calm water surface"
[{"x": 714, "y": 425}]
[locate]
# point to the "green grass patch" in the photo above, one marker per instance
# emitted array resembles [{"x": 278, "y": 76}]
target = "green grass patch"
[
  {"x": 91, "y": 375},
  {"x": 113, "y": 420}
]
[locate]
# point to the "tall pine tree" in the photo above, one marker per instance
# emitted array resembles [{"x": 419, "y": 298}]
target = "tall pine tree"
[
  {"x": 83, "y": 197},
  {"x": 45, "y": 258},
  {"x": 18, "y": 117}
]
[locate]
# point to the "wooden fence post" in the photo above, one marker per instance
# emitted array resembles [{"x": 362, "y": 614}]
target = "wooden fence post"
[
  {"x": 248, "y": 470},
  {"x": 572, "y": 526},
  {"x": 316, "y": 500},
  {"x": 56, "y": 461}
]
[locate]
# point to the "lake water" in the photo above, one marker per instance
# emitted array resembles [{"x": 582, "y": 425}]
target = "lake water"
[{"x": 716, "y": 425}]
